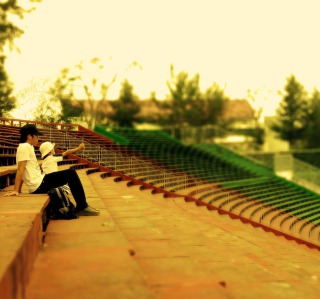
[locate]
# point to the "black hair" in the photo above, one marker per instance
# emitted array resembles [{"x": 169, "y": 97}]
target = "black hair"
[
  {"x": 28, "y": 129},
  {"x": 23, "y": 138}
]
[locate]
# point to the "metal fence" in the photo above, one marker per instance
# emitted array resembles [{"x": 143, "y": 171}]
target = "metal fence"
[{"x": 292, "y": 169}]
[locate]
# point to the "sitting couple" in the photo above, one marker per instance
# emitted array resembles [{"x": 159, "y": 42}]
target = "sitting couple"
[{"x": 30, "y": 173}]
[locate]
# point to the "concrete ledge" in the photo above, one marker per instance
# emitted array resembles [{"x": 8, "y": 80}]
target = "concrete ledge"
[
  {"x": 21, "y": 235},
  {"x": 6, "y": 172}
]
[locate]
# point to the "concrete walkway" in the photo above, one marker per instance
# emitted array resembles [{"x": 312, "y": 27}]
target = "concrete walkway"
[{"x": 146, "y": 246}]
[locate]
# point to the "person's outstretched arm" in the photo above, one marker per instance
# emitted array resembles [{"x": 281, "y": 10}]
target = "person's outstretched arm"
[
  {"x": 73, "y": 150},
  {"x": 18, "y": 180}
]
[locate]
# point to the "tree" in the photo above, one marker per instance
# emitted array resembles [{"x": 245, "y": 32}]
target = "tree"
[
  {"x": 292, "y": 113},
  {"x": 178, "y": 108},
  {"x": 57, "y": 103},
  {"x": 126, "y": 108},
  {"x": 311, "y": 136},
  {"x": 215, "y": 98},
  {"x": 207, "y": 107},
  {"x": 95, "y": 111},
  {"x": 74, "y": 94},
  {"x": 83, "y": 89},
  {"x": 186, "y": 104},
  {"x": 9, "y": 32},
  {"x": 258, "y": 133},
  {"x": 7, "y": 101}
]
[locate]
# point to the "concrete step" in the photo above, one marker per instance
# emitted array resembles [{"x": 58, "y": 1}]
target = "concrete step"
[{"x": 21, "y": 235}]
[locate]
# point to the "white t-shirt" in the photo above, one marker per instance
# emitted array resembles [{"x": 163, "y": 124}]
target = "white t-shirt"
[
  {"x": 32, "y": 176},
  {"x": 50, "y": 164}
]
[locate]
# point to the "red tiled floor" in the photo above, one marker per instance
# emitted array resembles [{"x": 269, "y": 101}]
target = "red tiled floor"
[{"x": 147, "y": 246}]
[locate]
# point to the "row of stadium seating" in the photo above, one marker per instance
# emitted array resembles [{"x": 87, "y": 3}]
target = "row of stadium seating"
[
  {"x": 208, "y": 174},
  {"x": 238, "y": 184}
]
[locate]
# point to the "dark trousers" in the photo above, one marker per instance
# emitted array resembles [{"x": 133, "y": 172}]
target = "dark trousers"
[{"x": 60, "y": 178}]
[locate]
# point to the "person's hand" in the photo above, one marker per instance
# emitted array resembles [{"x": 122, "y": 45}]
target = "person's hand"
[
  {"x": 81, "y": 146},
  {"x": 11, "y": 193}
]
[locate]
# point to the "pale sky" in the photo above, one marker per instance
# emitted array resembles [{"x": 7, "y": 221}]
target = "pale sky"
[{"x": 240, "y": 44}]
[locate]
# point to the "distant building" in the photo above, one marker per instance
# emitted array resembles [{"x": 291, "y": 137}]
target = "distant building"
[{"x": 238, "y": 110}]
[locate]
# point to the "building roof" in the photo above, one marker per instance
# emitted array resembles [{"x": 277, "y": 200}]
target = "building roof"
[{"x": 237, "y": 109}]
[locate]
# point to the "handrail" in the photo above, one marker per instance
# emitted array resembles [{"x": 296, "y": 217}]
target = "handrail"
[{"x": 21, "y": 122}]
